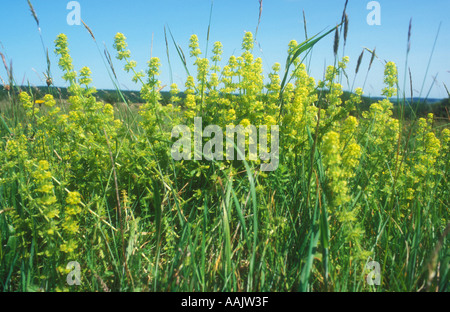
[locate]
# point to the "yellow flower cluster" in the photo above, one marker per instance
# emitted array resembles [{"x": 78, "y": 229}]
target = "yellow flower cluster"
[{"x": 328, "y": 151}]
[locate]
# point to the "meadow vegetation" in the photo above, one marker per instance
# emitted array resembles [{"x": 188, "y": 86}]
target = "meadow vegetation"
[{"x": 83, "y": 180}]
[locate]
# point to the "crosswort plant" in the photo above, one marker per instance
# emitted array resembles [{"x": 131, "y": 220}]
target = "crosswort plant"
[{"x": 83, "y": 180}]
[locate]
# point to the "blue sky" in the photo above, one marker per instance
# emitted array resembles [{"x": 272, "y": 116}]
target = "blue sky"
[{"x": 281, "y": 22}]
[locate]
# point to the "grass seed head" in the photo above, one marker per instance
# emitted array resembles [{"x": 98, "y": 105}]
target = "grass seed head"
[
  {"x": 372, "y": 58},
  {"x": 33, "y": 12},
  {"x": 304, "y": 24},
  {"x": 336, "y": 41},
  {"x": 359, "y": 61},
  {"x": 88, "y": 29},
  {"x": 409, "y": 35},
  {"x": 4, "y": 61},
  {"x": 345, "y": 28}
]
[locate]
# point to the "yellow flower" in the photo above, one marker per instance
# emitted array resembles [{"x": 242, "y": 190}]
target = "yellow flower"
[
  {"x": 49, "y": 100},
  {"x": 245, "y": 122},
  {"x": 390, "y": 79},
  {"x": 73, "y": 198},
  {"x": 25, "y": 99},
  {"x": 193, "y": 45},
  {"x": 120, "y": 45},
  {"x": 247, "y": 43}
]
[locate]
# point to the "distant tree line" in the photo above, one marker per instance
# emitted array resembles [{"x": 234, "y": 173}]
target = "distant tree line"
[{"x": 415, "y": 106}]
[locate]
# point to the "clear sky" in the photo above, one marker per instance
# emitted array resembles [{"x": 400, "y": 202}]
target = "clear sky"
[{"x": 281, "y": 21}]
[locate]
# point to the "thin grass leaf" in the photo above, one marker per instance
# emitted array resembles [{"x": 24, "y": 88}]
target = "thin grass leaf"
[
  {"x": 168, "y": 55},
  {"x": 302, "y": 47},
  {"x": 180, "y": 53}
]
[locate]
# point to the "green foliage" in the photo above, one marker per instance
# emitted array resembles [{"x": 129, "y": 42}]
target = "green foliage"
[{"x": 79, "y": 182}]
